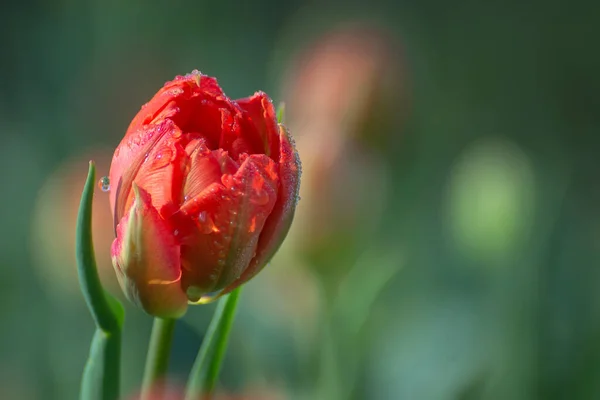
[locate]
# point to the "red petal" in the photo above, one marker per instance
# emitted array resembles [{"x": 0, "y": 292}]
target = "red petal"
[
  {"x": 161, "y": 175},
  {"x": 128, "y": 159},
  {"x": 278, "y": 224},
  {"x": 207, "y": 167},
  {"x": 146, "y": 258},
  {"x": 178, "y": 90},
  {"x": 262, "y": 115},
  {"x": 229, "y": 216}
]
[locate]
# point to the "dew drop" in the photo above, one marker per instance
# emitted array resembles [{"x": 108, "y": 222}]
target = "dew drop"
[
  {"x": 175, "y": 232},
  {"x": 202, "y": 216},
  {"x": 206, "y": 224},
  {"x": 162, "y": 159},
  {"x": 228, "y": 181},
  {"x": 260, "y": 197},
  {"x": 193, "y": 293},
  {"x": 104, "y": 184}
]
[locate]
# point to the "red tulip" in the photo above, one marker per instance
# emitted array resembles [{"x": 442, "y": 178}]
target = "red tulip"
[{"x": 204, "y": 190}]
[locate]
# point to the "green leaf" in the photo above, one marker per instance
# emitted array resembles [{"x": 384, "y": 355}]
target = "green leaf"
[
  {"x": 101, "y": 373},
  {"x": 207, "y": 366},
  {"x": 101, "y": 377},
  {"x": 281, "y": 112}
]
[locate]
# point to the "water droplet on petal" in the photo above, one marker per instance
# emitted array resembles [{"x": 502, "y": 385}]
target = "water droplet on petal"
[
  {"x": 227, "y": 181},
  {"x": 163, "y": 158},
  {"x": 104, "y": 184},
  {"x": 175, "y": 232},
  {"x": 260, "y": 197},
  {"x": 194, "y": 293},
  {"x": 206, "y": 223}
]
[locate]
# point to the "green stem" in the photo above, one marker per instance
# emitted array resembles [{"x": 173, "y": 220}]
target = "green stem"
[
  {"x": 157, "y": 361},
  {"x": 207, "y": 366}
]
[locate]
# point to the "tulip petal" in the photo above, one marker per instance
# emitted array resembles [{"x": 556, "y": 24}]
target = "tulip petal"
[
  {"x": 128, "y": 160},
  {"x": 279, "y": 221},
  {"x": 166, "y": 102},
  {"x": 207, "y": 167},
  {"x": 230, "y": 216},
  {"x": 262, "y": 115},
  {"x": 146, "y": 256},
  {"x": 161, "y": 176}
]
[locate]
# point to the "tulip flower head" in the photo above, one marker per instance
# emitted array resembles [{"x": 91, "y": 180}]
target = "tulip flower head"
[{"x": 203, "y": 192}]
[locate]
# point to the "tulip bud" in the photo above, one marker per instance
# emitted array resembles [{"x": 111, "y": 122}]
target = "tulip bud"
[{"x": 205, "y": 190}]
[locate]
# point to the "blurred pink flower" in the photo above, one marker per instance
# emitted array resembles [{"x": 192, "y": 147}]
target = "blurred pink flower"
[{"x": 346, "y": 99}]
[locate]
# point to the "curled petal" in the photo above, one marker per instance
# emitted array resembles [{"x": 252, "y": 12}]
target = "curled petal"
[
  {"x": 278, "y": 223},
  {"x": 207, "y": 167},
  {"x": 229, "y": 216},
  {"x": 145, "y": 256},
  {"x": 166, "y": 103},
  {"x": 262, "y": 115},
  {"x": 127, "y": 162}
]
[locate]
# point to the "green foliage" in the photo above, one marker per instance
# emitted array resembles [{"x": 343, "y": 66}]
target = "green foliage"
[{"x": 101, "y": 377}]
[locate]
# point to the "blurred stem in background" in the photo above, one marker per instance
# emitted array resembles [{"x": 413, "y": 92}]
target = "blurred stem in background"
[
  {"x": 157, "y": 361},
  {"x": 101, "y": 377},
  {"x": 346, "y": 317}
]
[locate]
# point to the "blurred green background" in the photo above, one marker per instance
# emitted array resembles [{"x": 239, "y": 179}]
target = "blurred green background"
[{"x": 446, "y": 245}]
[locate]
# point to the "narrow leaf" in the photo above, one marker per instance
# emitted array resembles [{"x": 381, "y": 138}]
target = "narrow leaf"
[
  {"x": 101, "y": 374},
  {"x": 207, "y": 366},
  {"x": 281, "y": 113}
]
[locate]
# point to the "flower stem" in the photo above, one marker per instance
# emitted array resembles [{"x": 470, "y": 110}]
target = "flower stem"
[
  {"x": 207, "y": 366},
  {"x": 157, "y": 361}
]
